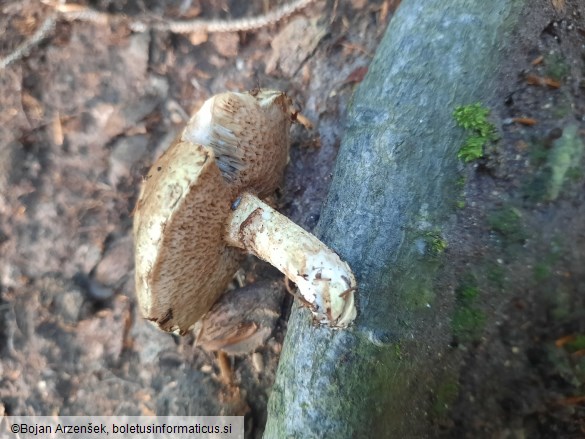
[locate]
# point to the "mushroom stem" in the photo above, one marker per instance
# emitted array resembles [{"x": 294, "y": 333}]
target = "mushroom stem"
[{"x": 325, "y": 282}]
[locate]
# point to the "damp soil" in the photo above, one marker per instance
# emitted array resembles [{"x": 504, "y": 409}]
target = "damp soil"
[
  {"x": 519, "y": 246},
  {"x": 87, "y": 111}
]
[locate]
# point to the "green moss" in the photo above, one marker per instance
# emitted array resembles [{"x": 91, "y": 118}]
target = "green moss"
[
  {"x": 541, "y": 272},
  {"x": 496, "y": 274},
  {"x": 417, "y": 290},
  {"x": 560, "y": 308},
  {"x": 473, "y": 118},
  {"x": 398, "y": 351},
  {"x": 575, "y": 175},
  {"x": 548, "y": 257},
  {"x": 467, "y": 293},
  {"x": 461, "y": 181},
  {"x": 446, "y": 394},
  {"x": 436, "y": 244},
  {"x": 384, "y": 376},
  {"x": 507, "y": 221},
  {"x": 417, "y": 280},
  {"x": 563, "y": 107},
  {"x": 578, "y": 344},
  {"x": 538, "y": 151},
  {"x": 420, "y": 296},
  {"x": 468, "y": 323},
  {"x": 427, "y": 247},
  {"x": 468, "y": 320},
  {"x": 472, "y": 149},
  {"x": 556, "y": 67},
  {"x": 460, "y": 184},
  {"x": 559, "y": 363}
]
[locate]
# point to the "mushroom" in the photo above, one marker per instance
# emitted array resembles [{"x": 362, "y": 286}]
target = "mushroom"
[
  {"x": 200, "y": 206},
  {"x": 243, "y": 320}
]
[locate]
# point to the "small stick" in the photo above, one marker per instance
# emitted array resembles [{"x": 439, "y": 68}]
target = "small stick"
[
  {"x": 23, "y": 49},
  {"x": 73, "y": 12},
  {"x": 225, "y": 369}
]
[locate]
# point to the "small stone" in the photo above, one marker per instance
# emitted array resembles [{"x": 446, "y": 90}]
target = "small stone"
[
  {"x": 226, "y": 44},
  {"x": 126, "y": 153},
  {"x": 206, "y": 368},
  {"x": 66, "y": 295},
  {"x": 116, "y": 263},
  {"x": 149, "y": 342},
  {"x": 197, "y": 38},
  {"x": 99, "y": 292},
  {"x": 275, "y": 346},
  {"x": 11, "y": 157}
]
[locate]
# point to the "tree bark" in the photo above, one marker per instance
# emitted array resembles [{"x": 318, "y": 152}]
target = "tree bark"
[{"x": 394, "y": 190}]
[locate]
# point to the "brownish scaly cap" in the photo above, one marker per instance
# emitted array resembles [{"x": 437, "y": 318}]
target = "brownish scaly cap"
[
  {"x": 182, "y": 262},
  {"x": 249, "y": 133}
]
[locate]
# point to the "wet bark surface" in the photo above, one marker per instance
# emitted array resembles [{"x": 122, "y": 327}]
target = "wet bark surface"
[{"x": 446, "y": 253}]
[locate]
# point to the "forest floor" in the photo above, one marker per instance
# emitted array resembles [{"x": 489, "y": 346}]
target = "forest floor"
[
  {"x": 88, "y": 109},
  {"x": 518, "y": 246}
]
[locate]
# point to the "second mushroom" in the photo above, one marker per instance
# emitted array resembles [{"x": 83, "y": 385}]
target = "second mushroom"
[{"x": 201, "y": 206}]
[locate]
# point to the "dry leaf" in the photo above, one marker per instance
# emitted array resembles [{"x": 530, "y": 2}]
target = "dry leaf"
[
  {"x": 56, "y": 130},
  {"x": 197, "y": 38},
  {"x": 537, "y": 60},
  {"x": 389, "y": 6},
  {"x": 525, "y": 121},
  {"x": 542, "y": 80}
]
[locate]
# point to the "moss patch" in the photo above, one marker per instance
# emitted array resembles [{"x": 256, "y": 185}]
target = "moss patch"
[
  {"x": 460, "y": 200},
  {"x": 435, "y": 243},
  {"x": 474, "y": 119},
  {"x": 398, "y": 351},
  {"x": 507, "y": 221},
  {"x": 446, "y": 394},
  {"x": 560, "y": 362},
  {"x": 576, "y": 344},
  {"x": 468, "y": 320},
  {"x": 541, "y": 272},
  {"x": 556, "y": 66},
  {"x": 561, "y": 306},
  {"x": 496, "y": 274},
  {"x": 427, "y": 247},
  {"x": 563, "y": 106}
]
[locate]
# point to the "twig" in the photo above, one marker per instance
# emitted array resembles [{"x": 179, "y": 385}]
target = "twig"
[
  {"x": 23, "y": 49},
  {"x": 187, "y": 26},
  {"x": 73, "y": 12}
]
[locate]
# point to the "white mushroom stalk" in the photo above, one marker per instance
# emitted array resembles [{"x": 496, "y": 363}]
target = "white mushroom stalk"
[{"x": 325, "y": 282}]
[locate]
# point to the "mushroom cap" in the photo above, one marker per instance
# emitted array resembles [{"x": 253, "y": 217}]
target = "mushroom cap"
[
  {"x": 243, "y": 319},
  {"x": 249, "y": 133},
  {"x": 182, "y": 262}
]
